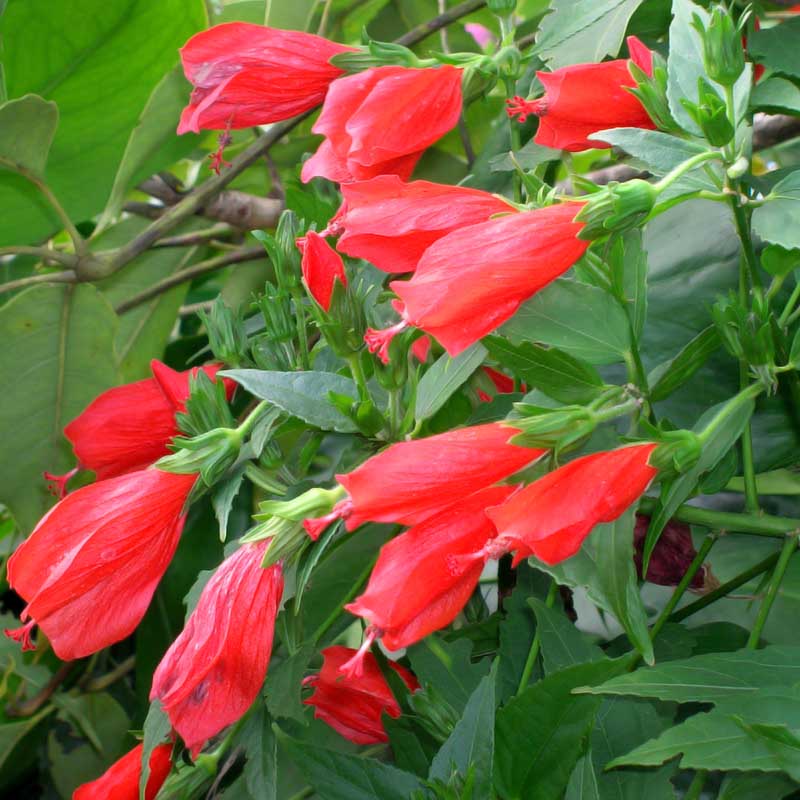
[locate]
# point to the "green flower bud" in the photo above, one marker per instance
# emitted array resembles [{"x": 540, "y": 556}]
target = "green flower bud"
[
  {"x": 210, "y": 454},
  {"x": 615, "y": 208},
  {"x": 552, "y": 429},
  {"x": 723, "y": 53},
  {"x": 313, "y": 503},
  {"x": 679, "y": 451},
  {"x": 711, "y": 115}
]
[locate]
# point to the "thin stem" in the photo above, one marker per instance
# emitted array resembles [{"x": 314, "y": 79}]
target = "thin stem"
[
  {"x": 684, "y": 584},
  {"x": 696, "y": 787},
  {"x": 45, "y": 253},
  {"x": 789, "y": 307},
  {"x": 67, "y": 276},
  {"x": 253, "y": 417},
  {"x": 533, "y": 653},
  {"x": 424, "y": 30},
  {"x": 789, "y": 546},
  {"x": 748, "y": 460},
  {"x": 685, "y": 167},
  {"x": 731, "y": 522},
  {"x": 516, "y": 141},
  {"x": 724, "y": 589},
  {"x": 201, "y": 268},
  {"x": 196, "y": 237},
  {"x": 395, "y": 411},
  {"x": 302, "y": 328},
  {"x": 745, "y": 395},
  {"x": 743, "y": 231},
  {"x": 357, "y": 371}
]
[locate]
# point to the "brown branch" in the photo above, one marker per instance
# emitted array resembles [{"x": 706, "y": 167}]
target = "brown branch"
[
  {"x": 29, "y": 707},
  {"x": 202, "y": 268},
  {"x": 196, "y": 237},
  {"x": 67, "y": 276},
  {"x": 424, "y": 30}
]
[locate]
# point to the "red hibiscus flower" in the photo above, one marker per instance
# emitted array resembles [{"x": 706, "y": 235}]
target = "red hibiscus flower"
[
  {"x": 586, "y": 98},
  {"x": 410, "y": 481},
  {"x": 321, "y": 266},
  {"x": 353, "y": 706},
  {"x": 378, "y": 122},
  {"x": 425, "y": 576},
  {"x": 214, "y": 670},
  {"x": 247, "y": 75},
  {"x": 392, "y": 223},
  {"x": 121, "y": 780},
  {"x": 550, "y": 518},
  {"x": 471, "y": 281},
  {"x": 129, "y": 427},
  {"x": 90, "y": 567}
]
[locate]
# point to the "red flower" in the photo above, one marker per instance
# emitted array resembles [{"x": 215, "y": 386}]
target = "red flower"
[
  {"x": 410, "y": 481},
  {"x": 586, "y": 98},
  {"x": 425, "y": 576},
  {"x": 550, "y": 518},
  {"x": 247, "y": 75},
  {"x": 503, "y": 384},
  {"x": 129, "y": 427},
  {"x": 474, "y": 279},
  {"x": 392, "y": 223},
  {"x": 379, "y": 121},
  {"x": 91, "y": 565},
  {"x": 353, "y": 706},
  {"x": 321, "y": 266},
  {"x": 214, "y": 670},
  {"x": 121, "y": 780},
  {"x": 672, "y": 555}
]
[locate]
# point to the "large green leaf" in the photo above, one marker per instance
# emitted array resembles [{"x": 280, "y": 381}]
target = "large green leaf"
[
  {"x": 27, "y": 127},
  {"x": 261, "y": 751},
  {"x": 580, "y": 319},
  {"x": 563, "y": 645},
  {"x": 57, "y": 365},
  {"x": 777, "y": 95},
  {"x": 338, "y": 776},
  {"x": 580, "y": 31},
  {"x": 711, "y": 677},
  {"x": 471, "y": 744},
  {"x": 776, "y": 47},
  {"x": 99, "y": 62},
  {"x": 541, "y": 733},
  {"x": 301, "y": 394},
  {"x": 439, "y": 383},
  {"x": 776, "y": 221}
]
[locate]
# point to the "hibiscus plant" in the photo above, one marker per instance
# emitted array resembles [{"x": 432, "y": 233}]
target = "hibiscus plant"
[{"x": 402, "y": 399}]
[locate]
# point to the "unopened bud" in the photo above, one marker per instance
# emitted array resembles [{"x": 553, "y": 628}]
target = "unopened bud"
[
  {"x": 711, "y": 114},
  {"x": 210, "y": 454},
  {"x": 723, "y": 54},
  {"x": 617, "y": 207},
  {"x": 679, "y": 451},
  {"x": 312, "y": 503},
  {"x": 552, "y": 429}
]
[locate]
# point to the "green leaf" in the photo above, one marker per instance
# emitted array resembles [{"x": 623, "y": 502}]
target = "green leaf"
[
  {"x": 745, "y": 786},
  {"x": 157, "y": 728},
  {"x": 553, "y": 372},
  {"x": 580, "y": 319},
  {"x": 13, "y": 735},
  {"x": 153, "y": 143},
  {"x": 776, "y": 47},
  {"x": 444, "y": 378},
  {"x": 631, "y": 261},
  {"x": 657, "y": 152},
  {"x": 447, "y": 666},
  {"x": 583, "y": 31},
  {"x": 223, "y": 497},
  {"x": 144, "y": 331},
  {"x": 27, "y": 127},
  {"x": 776, "y": 95},
  {"x": 99, "y": 62},
  {"x": 528, "y": 157},
  {"x": 301, "y": 394},
  {"x": 261, "y": 751},
  {"x": 671, "y": 375},
  {"x": 619, "y": 583},
  {"x": 338, "y": 776},
  {"x": 541, "y": 733},
  {"x": 563, "y": 645},
  {"x": 710, "y": 677},
  {"x": 471, "y": 744},
  {"x": 284, "y": 683},
  {"x": 776, "y": 220},
  {"x": 57, "y": 366},
  {"x": 583, "y": 781}
]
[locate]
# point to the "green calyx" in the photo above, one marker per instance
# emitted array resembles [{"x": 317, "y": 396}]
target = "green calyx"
[{"x": 617, "y": 207}]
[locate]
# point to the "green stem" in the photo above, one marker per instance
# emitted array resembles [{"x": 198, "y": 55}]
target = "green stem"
[
  {"x": 745, "y": 396},
  {"x": 725, "y": 589},
  {"x": 731, "y": 522},
  {"x": 743, "y": 231},
  {"x": 302, "y": 328},
  {"x": 516, "y": 141},
  {"x": 696, "y": 787},
  {"x": 790, "y": 304},
  {"x": 685, "y": 167},
  {"x": 252, "y": 418},
  {"x": 533, "y": 653},
  {"x": 395, "y": 411},
  {"x": 45, "y": 253},
  {"x": 684, "y": 584},
  {"x": 357, "y": 371},
  {"x": 789, "y": 546},
  {"x": 748, "y": 460},
  {"x": 700, "y": 194},
  {"x": 263, "y": 481}
]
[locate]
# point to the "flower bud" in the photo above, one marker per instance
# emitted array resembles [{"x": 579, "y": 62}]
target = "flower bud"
[
  {"x": 210, "y": 454},
  {"x": 552, "y": 429},
  {"x": 615, "y": 208},
  {"x": 679, "y": 451},
  {"x": 723, "y": 54},
  {"x": 711, "y": 114}
]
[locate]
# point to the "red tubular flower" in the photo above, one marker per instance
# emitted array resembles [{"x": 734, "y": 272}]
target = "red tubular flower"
[
  {"x": 392, "y": 223},
  {"x": 353, "y": 706},
  {"x": 410, "y": 481},
  {"x": 586, "y": 98},
  {"x": 121, "y": 780},
  {"x": 425, "y": 576},
  {"x": 550, "y": 518},
  {"x": 90, "y": 567},
  {"x": 214, "y": 670},
  {"x": 321, "y": 266},
  {"x": 474, "y": 279},
  {"x": 378, "y": 122},
  {"x": 247, "y": 75},
  {"x": 502, "y": 383},
  {"x": 129, "y": 427}
]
